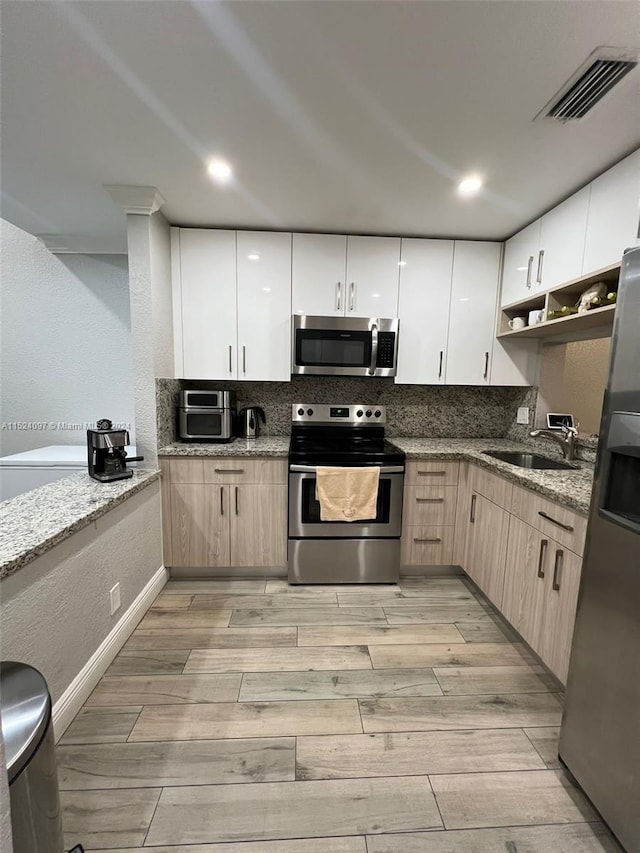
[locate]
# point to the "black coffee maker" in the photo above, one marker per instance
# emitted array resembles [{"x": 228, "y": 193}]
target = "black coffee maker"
[{"x": 106, "y": 452}]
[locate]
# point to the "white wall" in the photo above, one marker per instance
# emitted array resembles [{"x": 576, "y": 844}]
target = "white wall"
[
  {"x": 66, "y": 341},
  {"x": 55, "y": 611},
  {"x": 149, "y": 246}
]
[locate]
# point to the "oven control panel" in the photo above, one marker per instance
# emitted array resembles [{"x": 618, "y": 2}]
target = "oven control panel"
[{"x": 357, "y": 414}]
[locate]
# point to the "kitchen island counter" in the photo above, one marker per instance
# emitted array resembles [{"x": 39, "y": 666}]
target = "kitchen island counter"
[{"x": 34, "y": 522}]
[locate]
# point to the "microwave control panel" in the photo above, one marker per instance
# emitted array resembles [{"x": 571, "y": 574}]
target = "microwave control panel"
[{"x": 386, "y": 347}]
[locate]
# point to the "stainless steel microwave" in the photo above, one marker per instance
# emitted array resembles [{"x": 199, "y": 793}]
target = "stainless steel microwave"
[
  {"x": 206, "y": 415},
  {"x": 344, "y": 346}
]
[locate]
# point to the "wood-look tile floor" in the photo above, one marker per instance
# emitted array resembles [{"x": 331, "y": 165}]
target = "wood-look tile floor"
[{"x": 252, "y": 717}]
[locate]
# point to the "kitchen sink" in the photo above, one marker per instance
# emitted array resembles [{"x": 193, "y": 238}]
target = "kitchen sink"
[{"x": 529, "y": 460}]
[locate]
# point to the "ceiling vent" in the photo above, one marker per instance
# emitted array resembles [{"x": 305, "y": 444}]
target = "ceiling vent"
[{"x": 604, "y": 69}]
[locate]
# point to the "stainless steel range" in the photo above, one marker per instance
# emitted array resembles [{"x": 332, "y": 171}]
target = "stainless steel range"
[{"x": 342, "y": 551}]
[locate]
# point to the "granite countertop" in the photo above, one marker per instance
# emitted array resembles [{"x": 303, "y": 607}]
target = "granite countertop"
[
  {"x": 267, "y": 445},
  {"x": 571, "y": 488},
  {"x": 36, "y": 521}
]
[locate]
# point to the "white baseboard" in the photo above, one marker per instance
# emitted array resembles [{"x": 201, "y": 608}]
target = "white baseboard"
[{"x": 76, "y": 694}]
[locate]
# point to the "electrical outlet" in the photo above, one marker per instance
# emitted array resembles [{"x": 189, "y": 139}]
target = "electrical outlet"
[
  {"x": 114, "y": 595},
  {"x": 523, "y": 415}
]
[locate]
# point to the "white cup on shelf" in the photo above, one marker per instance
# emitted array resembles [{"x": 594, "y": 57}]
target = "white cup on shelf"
[
  {"x": 536, "y": 317},
  {"x": 517, "y": 323}
]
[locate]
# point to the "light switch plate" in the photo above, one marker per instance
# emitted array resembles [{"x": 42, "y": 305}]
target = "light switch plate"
[
  {"x": 523, "y": 415},
  {"x": 114, "y": 596}
]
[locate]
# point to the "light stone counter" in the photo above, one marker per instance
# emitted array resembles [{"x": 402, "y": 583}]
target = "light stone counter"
[
  {"x": 571, "y": 488},
  {"x": 268, "y": 445},
  {"x": 36, "y": 521}
]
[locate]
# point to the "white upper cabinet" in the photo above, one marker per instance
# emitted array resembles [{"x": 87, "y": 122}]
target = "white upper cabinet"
[
  {"x": 373, "y": 269},
  {"x": 520, "y": 254},
  {"x": 319, "y": 274},
  {"x": 264, "y": 306},
  {"x": 474, "y": 292},
  {"x": 612, "y": 225},
  {"x": 204, "y": 267},
  {"x": 562, "y": 236},
  {"x": 423, "y": 308}
]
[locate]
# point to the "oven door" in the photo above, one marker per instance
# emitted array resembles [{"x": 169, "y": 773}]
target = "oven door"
[
  {"x": 204, "y": 424},
  {"x": 304, "y": 509}
]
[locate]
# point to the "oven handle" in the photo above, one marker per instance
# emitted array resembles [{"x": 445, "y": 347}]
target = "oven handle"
[
  {"x": 374, "y": 349},
  {"x": 311, "y": 469}
]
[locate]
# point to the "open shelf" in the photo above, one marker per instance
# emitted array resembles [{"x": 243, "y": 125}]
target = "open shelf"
[{"x": 595, "y": 323}]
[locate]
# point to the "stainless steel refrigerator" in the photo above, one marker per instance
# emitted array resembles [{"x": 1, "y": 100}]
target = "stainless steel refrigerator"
[{"x": 600, "y": 736}]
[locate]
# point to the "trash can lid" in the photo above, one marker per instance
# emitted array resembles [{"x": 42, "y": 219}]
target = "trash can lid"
[{"x": 25, "y": 711}]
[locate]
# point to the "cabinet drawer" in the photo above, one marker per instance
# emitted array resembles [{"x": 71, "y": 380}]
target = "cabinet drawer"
[
  {"x": 428, "y": 505},
  {"x": 432, "y": 473},
  {"x": 491, "y": 486},
  {"x": 223, "y": 470},
  {"x": 564, "y": 525},
  {"x": 427, "y": 546},
  {"x": 243, "y": 470}
]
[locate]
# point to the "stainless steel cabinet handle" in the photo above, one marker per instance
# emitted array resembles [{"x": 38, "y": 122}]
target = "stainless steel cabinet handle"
[
  {"x": 230, "y": 359},
  {"x": 472, "y": 516},
  {"x": 338, "y": 296},
  {"x": 540, "y": 263},
  {"x": 529, "y": 269},
  {"x": 486, "y": 365},
  {"x": 543, "y": 551},
  {"x": 566, "y": 527},
  {"x": 440, "y": 364},
  {"x": 221, "y": 500},
  {"x": 557, "y": 569},
  {"x": 374, "y": 349},
  {"x": 229, "y": 470},
  {"x": 244, "y": 359},
  {"x": 427, "y": 540},
  {"x": 431, "y": 473},
  {"x": 429, "y": 500},
  {"x": 237, "y": 509},
  {"x": 352, "y": 296}
]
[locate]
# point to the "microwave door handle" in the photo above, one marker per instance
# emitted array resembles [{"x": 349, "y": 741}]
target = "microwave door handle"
[{"x": 374, "y": 349}]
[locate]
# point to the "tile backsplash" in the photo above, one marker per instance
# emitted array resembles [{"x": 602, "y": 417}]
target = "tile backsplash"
[{"x": 455, "y": 411}]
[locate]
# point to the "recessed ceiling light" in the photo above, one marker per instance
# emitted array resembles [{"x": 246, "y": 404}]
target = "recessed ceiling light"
[
  {"x": 375, "y": 296},
  {"x": 254, "y": 257},
  {"x": 220, "y": 171},
  {"x": 470, "y": 185},
  {"x": 267, "y": 289}
]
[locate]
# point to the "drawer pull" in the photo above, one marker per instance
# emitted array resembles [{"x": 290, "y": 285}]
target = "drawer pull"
[
  {"x": 429, "y": 500},
  {"x": 229, "y": 470},
  {"x": 432, "y": 473},
  {"x": 427, "y": 540},
  {"x": 237, "y": 509},
  {"x": 472, "y": 515},
  {"x": 221, "y": 500},
  {"x": 557, "y": 569},
  {"x": 543, "y": 550},
  {"x": 566, "y": 527}
]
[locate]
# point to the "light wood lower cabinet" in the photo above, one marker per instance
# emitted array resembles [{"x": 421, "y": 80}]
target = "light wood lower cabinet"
[
  {"x": 258, "y": 526},
  {"x": 213, "y": 524},
  {"x": 427, "y": 546},
  {"x": 541, "y": 593},
  {"x": 486, "y": 546}
]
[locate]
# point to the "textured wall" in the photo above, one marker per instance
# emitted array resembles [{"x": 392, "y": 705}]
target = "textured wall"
[
  {"x": 55, "y": 610},
  {"x": 573, "y": 379},
  {"x": 66, "y": 343},
  {"x": 413, "y": 410}
]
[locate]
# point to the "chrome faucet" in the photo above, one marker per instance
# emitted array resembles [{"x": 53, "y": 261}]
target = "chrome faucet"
[{"x": 567, "y": 441}]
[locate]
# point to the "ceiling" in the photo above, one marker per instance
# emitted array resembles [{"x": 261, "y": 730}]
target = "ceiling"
[{"x": 348, "y": 116}]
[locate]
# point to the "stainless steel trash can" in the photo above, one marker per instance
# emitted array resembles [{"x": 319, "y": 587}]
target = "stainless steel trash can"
[{"x": 25, "y": 710}]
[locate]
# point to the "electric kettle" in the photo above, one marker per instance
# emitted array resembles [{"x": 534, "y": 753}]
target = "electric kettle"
[{"x": 249, "y": 420}]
